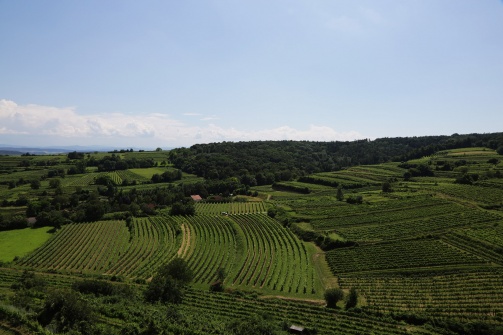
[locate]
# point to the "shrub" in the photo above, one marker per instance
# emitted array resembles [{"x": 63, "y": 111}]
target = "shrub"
[{"x": 332, "y": 297}]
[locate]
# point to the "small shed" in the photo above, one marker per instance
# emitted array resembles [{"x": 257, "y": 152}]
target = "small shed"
[
  {"x": 196, "y": 197},
  {"x": 296, "y": 329}
]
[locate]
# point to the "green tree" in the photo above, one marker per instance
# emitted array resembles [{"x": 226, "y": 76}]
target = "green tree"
[
  {"x": 28, "y": 281},
  {"x": 332, "y": 297},
  {"x": 386, "y": 187},
  {"x": 54, "y": 183},
  {"x": 218, "y": 285},
  {"x": 169, "y": 283},
  {"x": 35, "y": 184},
  {"x": 260, "y": 324},
  {"x": 65, "y": 310},
  {"x": 352, "y": 298},
  {"x": 340, "y": 195}
]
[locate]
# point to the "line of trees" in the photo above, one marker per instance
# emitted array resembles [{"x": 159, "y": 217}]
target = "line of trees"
[{"x": 266, "y": 162}]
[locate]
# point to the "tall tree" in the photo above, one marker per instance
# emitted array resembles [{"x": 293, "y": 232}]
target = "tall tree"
[{"x": 169, "y": 284}]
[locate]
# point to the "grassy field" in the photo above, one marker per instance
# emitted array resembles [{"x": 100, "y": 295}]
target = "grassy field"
[{"x": 18, "y": 243}]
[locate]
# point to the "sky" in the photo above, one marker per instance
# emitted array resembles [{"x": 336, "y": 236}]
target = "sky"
[{"x": 148, "y": 74}]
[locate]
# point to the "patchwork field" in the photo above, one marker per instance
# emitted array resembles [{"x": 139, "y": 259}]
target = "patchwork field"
[{"x": 420, "y": 242}]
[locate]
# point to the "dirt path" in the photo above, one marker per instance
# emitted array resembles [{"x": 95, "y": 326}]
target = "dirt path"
[
  {"x": 182, "y": 251},
  {"x": 328, "y": 280},
  {"x": 320, "y": 302}
]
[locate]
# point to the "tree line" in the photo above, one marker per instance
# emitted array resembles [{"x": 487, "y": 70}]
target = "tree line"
[{"x": 265, "y": 162}]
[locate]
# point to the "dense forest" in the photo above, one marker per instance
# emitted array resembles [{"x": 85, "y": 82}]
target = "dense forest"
[{"x": 266, "y": 162}]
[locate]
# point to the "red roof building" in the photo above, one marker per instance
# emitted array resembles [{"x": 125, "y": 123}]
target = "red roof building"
[{"x": 196, "y": 197}]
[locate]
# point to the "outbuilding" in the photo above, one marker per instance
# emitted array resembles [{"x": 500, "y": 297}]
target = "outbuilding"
[
  {"x": 296, "y": 329},
  {"x": 196, "y": 197}
]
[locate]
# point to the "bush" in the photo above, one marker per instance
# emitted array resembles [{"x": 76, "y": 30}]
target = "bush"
[
  {"x": 168, "y": 285},
  {"x": 352, "y": 298},
  {"x": 65, "y": 310},
  {"x": 96, "y": 287},
  {"x": 355, "y": 200},
  {"x": 332, "y": 297}
]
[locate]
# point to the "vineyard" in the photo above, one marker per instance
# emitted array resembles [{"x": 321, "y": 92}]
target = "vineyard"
[
  {"x": 398, "y": 255},
  {"x": 255, "y": 250},
  {"x": 205, "y": 308},
  {"x": 416, "y": 227},
  {"x": 470, "y": 294},
  {"x": 428, "y": 250},
  {"x": 230, "y": 208},
  {"x": 479, "y": 194}
]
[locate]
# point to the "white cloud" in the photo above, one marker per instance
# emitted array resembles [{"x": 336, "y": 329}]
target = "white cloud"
[
  {"x": 209, "y": 118},
  {"x": 138, "y": 130}
]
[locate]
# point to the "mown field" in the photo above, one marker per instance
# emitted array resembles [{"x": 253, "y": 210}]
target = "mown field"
[{"x": 420, "y": 241}]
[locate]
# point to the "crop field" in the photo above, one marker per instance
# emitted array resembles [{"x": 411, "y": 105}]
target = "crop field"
[
  {"x": 494, "y": 182},
  {"x": 398, "y": 255},
  {"x": 81, "y": 247},
  {"x": 25, "y": 175},
  {"x": 302, "y": 187},
  {"x": 479, "y": 194},
  {"x": 117, "y": 177},
  {"x": 210, "y": 308},
  {"x": 149, "y": 172},
  {"x": 357, "y": 176},
  {"x": 428, "y": 250},
  {"x": 415, "y": 214},
  {"x": 158, "y": 156},
  {"x": 470, "y": 294},
  {"x": 336, "y": 179},
  {"x": 437, "y": 222},
  {"x": 230, "y": 208},
  {"x": 275, "y": 258},
  {"x": 313, "y": 316},
  {"x": 80, "y": 180},
  {"x": 255, "y": 250},
  {"x": 485, "y": 241}
]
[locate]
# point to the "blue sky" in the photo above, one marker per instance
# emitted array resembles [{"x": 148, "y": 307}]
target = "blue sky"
[{"x": 175, "y": 73}]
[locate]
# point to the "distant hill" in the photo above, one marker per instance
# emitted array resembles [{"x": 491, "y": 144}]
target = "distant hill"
[
  {"x": 283, "y": 160},
  {"x": 6, "y": 149}
]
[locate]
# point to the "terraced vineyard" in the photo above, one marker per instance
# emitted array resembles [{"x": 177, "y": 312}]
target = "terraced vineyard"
[
  {"x": 479, "y": 194},
  {"x": 117, "y": 177},
  {"x": 425, "y": 257},
  {"x": 255, "y": 250},
  {"x": 86, "y": 247},
  {"x": 153, "y": 242},
  {"x": 275, "y": 258},
  {"x": 470, "y": 294},
  {"x": 214, "y": 246},
  {"x": 416, "y": 227},
  {"x": 312, "y": 316},
  {"x": 202, "y": 304},
  {"x": 230, "y": 208},
  {"x": 80, "y": 180},
  {"x": 398, "y": 255}
]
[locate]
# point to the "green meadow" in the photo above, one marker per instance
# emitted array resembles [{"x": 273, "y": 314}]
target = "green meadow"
[{"x": 18, "y": 243}]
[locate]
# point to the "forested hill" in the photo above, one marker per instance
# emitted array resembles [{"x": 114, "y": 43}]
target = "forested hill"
[{"x": 269, "y": 161}]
